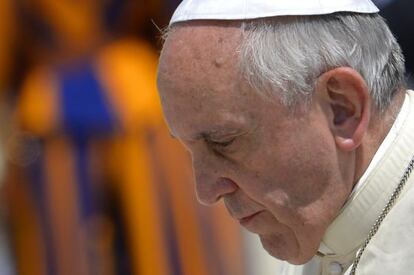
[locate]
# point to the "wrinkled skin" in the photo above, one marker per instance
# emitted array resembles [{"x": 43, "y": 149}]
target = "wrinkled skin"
[{"x": 280, "y": 174}]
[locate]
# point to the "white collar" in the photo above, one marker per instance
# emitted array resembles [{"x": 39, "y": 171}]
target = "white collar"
[
  {"x": 374, "y": 188},
  {"x": 385, "y": 145}
]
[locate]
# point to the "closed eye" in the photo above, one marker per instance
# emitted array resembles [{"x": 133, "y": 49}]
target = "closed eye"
[{"x": 221, "y": 144}]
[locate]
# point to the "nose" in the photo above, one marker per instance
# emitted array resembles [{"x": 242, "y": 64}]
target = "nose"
[{"x": 211, "y": 184}]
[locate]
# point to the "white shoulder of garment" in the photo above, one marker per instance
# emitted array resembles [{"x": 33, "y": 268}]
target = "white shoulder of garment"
[{"x": 391, "y": 251}]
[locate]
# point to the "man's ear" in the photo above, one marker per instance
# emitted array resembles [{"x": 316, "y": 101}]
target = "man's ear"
[{"x": 347, "y": 104}]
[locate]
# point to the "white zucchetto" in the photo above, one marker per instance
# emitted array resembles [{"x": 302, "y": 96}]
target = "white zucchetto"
[{"x": 250, "y": 9}]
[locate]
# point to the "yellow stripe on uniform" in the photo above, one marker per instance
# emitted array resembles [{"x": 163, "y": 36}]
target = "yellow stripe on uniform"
[
  {"x": 127, "y": 70},
  {"x": 37, "y": 108},
  {"x": 71, "y": 244},
  {"x": 140, "y": 205}
]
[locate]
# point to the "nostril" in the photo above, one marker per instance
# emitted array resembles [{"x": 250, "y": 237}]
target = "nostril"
[
  {"x": 225, "y": 181},
  {"x": 225, "y": 186}
]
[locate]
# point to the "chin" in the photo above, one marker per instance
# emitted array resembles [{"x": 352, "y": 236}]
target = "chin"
[{"x": 278, "y": 248}]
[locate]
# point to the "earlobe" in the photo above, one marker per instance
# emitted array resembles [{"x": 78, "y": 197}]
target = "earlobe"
[
  {"x": 347, "y": 144},
  {"x": 347, "y": 106}
]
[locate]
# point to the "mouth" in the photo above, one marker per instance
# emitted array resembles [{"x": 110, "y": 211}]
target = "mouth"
[{"x": 244, "y": 221}]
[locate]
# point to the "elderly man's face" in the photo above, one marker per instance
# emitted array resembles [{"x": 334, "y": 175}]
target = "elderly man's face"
[{"x": 277, "y": 172}]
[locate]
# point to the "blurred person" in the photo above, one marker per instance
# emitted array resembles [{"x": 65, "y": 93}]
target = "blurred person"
[
  {"x": 48, "y": 237},
  {"x": 297, "y": 116},
  {"x": 96, "y": 185}
]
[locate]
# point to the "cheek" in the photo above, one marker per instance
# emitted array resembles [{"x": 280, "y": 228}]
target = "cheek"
[
  {"x": 293, "y": 175},
  {"x": 296, "y": 177}
]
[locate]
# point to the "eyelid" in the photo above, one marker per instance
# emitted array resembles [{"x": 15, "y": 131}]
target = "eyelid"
[
  {"x": 221, "y": 137},
  {"x": 224, "y": 136},
  {"x": 223, "y": 143}
]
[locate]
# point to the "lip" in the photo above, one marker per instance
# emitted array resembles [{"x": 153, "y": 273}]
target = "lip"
[{"x": 247, "y": 219}]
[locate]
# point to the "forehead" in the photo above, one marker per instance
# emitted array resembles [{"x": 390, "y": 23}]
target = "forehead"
[
  {"x": 198, "y": 76},
  {"x": 200, "y": 53},
  {"x": 201, "y": 41}
]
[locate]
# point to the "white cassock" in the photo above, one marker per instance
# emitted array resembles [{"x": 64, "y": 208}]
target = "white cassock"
[{"x": 391, "y": 250}]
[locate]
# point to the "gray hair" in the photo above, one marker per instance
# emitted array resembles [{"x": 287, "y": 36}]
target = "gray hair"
[{"x": 287, "y": 54}]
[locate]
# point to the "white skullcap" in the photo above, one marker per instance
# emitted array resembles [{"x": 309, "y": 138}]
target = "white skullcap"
[{"x": 250, "y": 9}]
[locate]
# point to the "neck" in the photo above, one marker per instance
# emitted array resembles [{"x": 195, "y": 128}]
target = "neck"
[{"x": 378, "y": 129}]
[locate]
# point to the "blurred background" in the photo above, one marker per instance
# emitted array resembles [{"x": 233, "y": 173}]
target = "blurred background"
[
  {"x": 90, "y": 180},
  {"x": 92, "y": 183}
]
